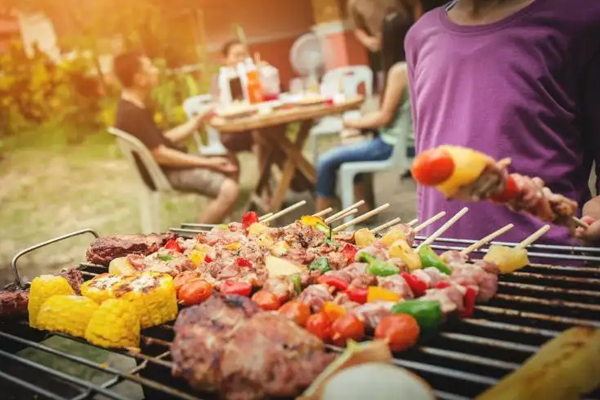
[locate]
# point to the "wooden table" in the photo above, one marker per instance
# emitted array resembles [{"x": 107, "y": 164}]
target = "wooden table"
[{"x": 272, "y": 128}]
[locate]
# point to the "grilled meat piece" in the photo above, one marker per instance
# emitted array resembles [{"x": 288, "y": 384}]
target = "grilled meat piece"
[
  {"x": 106, "y": 248},
  {"x": 315, "y": 296},
  {"x": 13, "y": 301},
  {"x": 270, "y": 356},
  {"x": 396, "y": 284},
  {"x": 75, "y": 279},
  {"x": 372, "y": 313}
]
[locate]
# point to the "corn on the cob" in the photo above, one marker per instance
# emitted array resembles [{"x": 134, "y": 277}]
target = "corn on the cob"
[
  {"x": 67, "y": 314},
  {"x": 153, "y": 296},
  {"x": 115, "y": 323},
  {"x": 100, "y": 288},
  {"x": 42, "y": 288}
]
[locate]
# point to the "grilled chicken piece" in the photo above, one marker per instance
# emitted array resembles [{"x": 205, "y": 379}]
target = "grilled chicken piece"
[{"x": 106, "y": 248}]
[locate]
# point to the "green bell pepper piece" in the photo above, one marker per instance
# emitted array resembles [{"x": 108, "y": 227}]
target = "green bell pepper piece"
[
  {"x": 297, "y": 281},
  {"x": 320, "y": 264},
  {"x": 376, "y": 266},
  {"x": 430, "y": 259},
  {"x": 326, "y": 229},
  {"x": 165, "y": 257},
  {"x": 428, "y": 313},
  {"x": 332, "y": 243}
]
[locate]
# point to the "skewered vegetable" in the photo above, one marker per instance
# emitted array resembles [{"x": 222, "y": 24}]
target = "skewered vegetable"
[
  {"x": 281, "y": 267},
  {"x": 100, "y": 287},
  {"x": 296, "y": 311},
  {"x": 153, "y": 296},
  {"x": 417, "y": 286},
  {"x": 401, "y": 331},
  {"x": 508, "y": 259},
  {"x": 296, "y": 279},
  {"x": 249, "y": 218},
  {"x": 319, "y": 325},
  {"x": 392, "y": 236},
  {"x": 115, "y": 323},
  {"x": 333, "y": 310},
  {"x": 376, "y": 293},
  {"x": 400, "y": 249},
  {"x": 334, "y": 281},
  {"x": 320, "y": 264},
  {"x": 428, "y": 314},
  {"x": 121, "y": 266},
  {"x": 349, "y": 251},
  {"x": 432, "y": 167},
  {"x": 42, "y": 288},
  {"x": 469, "y": 303},
  {"x": 347, "y": 327},
  {"x": 194, "y": 292},
  {"x": 239, "y": 288},
  {"x": 266, "y": 300},
  {"x": 184, "y": 278},
  {"x": 376, "y": 266},
  {"x": 66, "y": 313},
  {"x": 430, "y": 259},
  {"x": 364, "y": 237},
  {"x": 565, "y": 368},
  {"x": 357, "y": 294}
]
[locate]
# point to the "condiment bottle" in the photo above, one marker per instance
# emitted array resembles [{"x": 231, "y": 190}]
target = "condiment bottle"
[{"x": 255, "y": 94}]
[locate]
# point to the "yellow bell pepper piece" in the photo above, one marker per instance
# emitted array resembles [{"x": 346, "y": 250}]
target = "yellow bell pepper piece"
[
  {"x": 197, "y": 256},
  {"x": 115, "y": 324},
  {"x": 468, "y": 166},
  {"x": 333, "y": 310},
  {"x": 42, "y": 288},
  {"x": 67, "y": 314},
  {"x": 508, "y": 259},
  {"x": 311, "y": 220},
  {"x": 364, "y": 237},
  {"x": 393, "y": 235},
  {"x": 234, "y": 246},
  {"x": 376, "y": 293},
  {"x": 400, "y": 249}
]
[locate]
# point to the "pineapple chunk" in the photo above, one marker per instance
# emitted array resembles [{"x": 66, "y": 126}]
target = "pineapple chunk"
[
  {"x": 364, "y": 237},
  {"x": 257, "y": 228},
  {"x": 508, "y": 259},
  {"x": 121, "y": 266},
  {"x": 282, "y": 267},
  {"x": 392, "y": 236},
  {"x": 400, "y": 249}
]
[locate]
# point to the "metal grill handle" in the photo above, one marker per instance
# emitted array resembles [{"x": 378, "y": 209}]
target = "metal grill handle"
[{"x": 43, "y": 244}]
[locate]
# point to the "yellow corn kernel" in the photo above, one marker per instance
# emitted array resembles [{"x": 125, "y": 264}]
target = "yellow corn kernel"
[
  {"x": 67, "y": 314},
  {"x": 153, "y": 296},
  {"x": 42, "y": 288},
  {"x": 115, "y": 323},
  {"x": 100, "y": 288}
]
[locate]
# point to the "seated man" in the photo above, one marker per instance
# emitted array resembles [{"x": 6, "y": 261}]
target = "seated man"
[{"x": 215, "y": 177}]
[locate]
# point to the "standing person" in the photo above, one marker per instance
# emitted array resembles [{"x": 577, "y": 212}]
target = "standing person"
[
  {"x": 367, "y": 17},
  {"x": 214, "y": 177},
  {"x": 392, "y": 120},
  {"x": 521, "y": 79}
]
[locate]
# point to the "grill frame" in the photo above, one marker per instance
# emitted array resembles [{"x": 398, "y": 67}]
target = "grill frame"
[{"x": 456, "y": 363}]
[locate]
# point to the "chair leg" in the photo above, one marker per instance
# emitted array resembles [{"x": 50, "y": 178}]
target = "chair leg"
[{"x": 347, "y": 188}]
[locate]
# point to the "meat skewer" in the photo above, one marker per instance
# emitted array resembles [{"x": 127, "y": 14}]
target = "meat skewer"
[
  {"x": 262, "y": 218},
  {"x": 284, "y": 211},
  {"x": 444, "y": 228},
  {"x": 342, "y": 216},
  {"x": 345, "y": 210},
  {"x": 466, "y": 174},
  {"x": 386, "y": 225},
  {"x": 361, "y": 218},
  {"x": 487, "y": 239},
  {"x": 430, "y": 221},
  {"x": 413, "y": 222},
  {"x": 533, "y": 237},
  {"x": 324, "y": 212}
]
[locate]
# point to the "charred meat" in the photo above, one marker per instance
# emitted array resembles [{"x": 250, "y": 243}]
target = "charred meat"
[{"x": 106, "y": 248}]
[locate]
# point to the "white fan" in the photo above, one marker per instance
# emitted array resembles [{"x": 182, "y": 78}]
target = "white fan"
[{"x": 306, "y": 55}]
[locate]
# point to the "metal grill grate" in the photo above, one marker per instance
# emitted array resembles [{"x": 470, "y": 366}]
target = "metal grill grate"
[{"x": 531, "y": 307}]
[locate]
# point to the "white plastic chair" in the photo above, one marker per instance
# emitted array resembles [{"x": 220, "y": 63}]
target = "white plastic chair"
[
  {"x": 192, "y": 107},
  {"x": 351, "y": 78},
  {"x": 149, "y": 197},
  {"x": 399, "y": 161}
]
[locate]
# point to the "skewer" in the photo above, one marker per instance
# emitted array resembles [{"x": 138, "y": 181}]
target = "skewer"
[
  {"x": 386, "y": 225},
  {"x": 260, "y": 219},
  {"x": 533, "y": 237},
  {"x": 444, "y": 228},
  {"x": 413, "y": 222},
  {"x": 580, "y": 223},
  {"x": 284, "y": 211},
  {"x": 342, "y": 216},
  {"x": 323, "y": 213},
  {"x": 429, "y": 221},
  {"x": 361, "y": 218},
  {"x": 487, "y": 239},
  {"x": 345, "y": 210}
]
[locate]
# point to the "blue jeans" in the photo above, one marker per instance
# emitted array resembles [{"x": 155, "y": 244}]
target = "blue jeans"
[{"x": 329, "y": 163}]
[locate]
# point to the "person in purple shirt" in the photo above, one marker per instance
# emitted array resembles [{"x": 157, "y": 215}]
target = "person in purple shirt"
[{"x": 511, "y": 78}]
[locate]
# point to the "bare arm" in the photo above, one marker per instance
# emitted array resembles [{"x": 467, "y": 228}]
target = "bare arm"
[
  {"x": 592, "y": 208},
  {"x": 397, "y": 81},
  {"x": 184, "y": 130},
  {"x": 173, "y": 158}
]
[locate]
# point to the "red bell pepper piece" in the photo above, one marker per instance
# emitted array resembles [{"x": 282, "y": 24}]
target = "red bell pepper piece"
[
  {"x": 417, "y": 286},
  {"x": 249, "y": 218},
  {"x": 509, "y": 193},
  {"x": 334, "y": 281},
  {"x": 349, "y": 251},
  {"x": 240, "y": 288},
  {"x": 442, "y": 285},
  {"x": 172, "y": 244},
  {"x": 357, "y": 295},
  {"x": 207, "y": 259},
  {"x": 242, "y": 262},
  {"x": 469, "y": 303}
]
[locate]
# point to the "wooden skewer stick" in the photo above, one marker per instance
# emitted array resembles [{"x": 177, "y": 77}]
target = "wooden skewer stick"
[
  {"x": 444, "y": 228},
  {"x": 361, "y": 218},
  {"x": 487, "y": 239},
  {"x": 323, "y": 213},
  {"x": 533, "y": 237},
  {"x": 581, "y": 223},
  {"x": 284, "y": 211},
  {"x": 349, "y": 213},
  {"x": 413, "y": 222},
  {"x": 386, "y": 225},
  {"x": 260, "y": 219},
  {"x": 430, "y": 221},
  {"x": 335, "y": 216}
]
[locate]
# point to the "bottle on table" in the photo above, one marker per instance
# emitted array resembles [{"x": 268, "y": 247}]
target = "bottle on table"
[{"x": 254, "y": 89}]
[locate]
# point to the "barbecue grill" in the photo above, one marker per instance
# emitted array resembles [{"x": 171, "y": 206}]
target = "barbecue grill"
[{"x": 532, "y": 306}]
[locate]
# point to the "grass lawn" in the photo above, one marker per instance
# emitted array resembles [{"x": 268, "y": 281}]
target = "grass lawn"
[{"x": 49, "y": 188}]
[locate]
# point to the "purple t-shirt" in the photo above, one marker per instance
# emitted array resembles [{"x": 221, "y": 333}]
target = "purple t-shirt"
[{"x": 526, "y": 87}]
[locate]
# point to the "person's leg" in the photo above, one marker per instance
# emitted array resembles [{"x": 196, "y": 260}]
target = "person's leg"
[{"x": 221, "y": 207}]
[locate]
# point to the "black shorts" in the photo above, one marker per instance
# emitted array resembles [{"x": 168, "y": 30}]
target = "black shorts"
[{"x": 237, "y": 142}]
